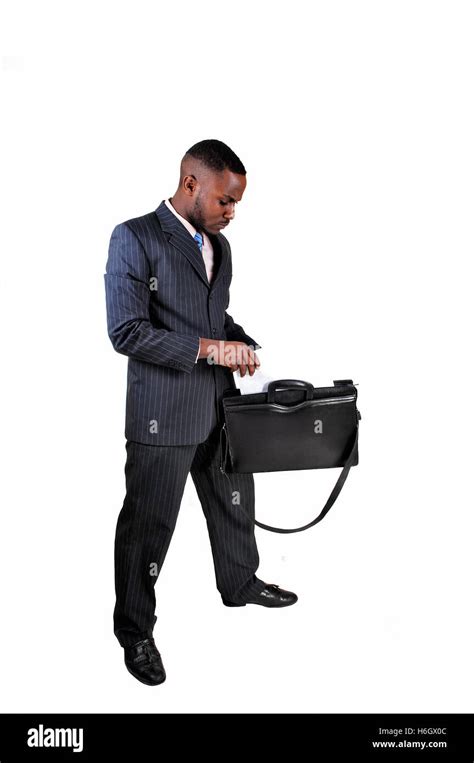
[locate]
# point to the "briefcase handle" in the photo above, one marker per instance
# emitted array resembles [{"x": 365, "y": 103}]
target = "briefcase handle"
[{"x": 289, "y": 384}]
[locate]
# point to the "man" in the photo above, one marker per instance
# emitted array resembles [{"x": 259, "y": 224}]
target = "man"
[{"x": 167, "y": 289}]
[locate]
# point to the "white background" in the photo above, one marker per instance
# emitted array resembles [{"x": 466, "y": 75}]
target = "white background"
[{"x": 351, "y": 253}]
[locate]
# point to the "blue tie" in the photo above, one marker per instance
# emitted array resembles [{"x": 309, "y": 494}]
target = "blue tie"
[{"x": 198, "y": 238}]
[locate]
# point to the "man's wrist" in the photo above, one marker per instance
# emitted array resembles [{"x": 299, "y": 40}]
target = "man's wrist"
[{"x": 204, "y": 347}]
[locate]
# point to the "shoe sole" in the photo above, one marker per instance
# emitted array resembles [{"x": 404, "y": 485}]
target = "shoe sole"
[{"x": 260, "y": 604}]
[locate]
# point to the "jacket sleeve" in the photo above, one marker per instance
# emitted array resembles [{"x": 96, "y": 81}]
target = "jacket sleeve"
[
  {"x": 127, "y": 291},
  {"x": 234, "y": 332}
]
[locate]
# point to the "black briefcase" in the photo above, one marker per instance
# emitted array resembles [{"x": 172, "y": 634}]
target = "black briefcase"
[{"x": 291, "y": 426}]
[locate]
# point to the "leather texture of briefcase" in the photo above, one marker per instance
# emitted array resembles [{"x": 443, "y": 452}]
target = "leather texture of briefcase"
[{"x": 292, "y": 426}]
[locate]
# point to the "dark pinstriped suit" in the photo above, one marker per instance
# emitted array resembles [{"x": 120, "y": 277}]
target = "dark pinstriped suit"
[{"x": 159, "y": 302}]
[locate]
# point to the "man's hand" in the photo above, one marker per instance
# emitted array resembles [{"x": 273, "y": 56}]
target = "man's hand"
[{"x": 233, "y": 355}]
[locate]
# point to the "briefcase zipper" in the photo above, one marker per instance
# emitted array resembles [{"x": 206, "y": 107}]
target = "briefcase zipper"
[
  {"x": 328, "y": 400},
  {"x": 344, "y": 399}
]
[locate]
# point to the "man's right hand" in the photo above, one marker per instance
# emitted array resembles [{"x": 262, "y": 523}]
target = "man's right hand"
[{"x": 233, "y": 355}]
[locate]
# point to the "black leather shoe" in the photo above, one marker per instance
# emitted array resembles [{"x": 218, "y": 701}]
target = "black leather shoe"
[
  {"x": 271, "y": 596},
  {"x": 143, "y": 661}
]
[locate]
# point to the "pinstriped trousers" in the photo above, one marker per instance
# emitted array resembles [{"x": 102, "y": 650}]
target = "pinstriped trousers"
[{"x": 155, "y": 482}]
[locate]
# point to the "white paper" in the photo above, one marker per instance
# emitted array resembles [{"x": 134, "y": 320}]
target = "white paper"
[{"x": 257, "y": 383}]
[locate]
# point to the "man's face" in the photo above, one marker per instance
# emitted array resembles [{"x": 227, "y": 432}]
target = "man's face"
[{"x": 215, "y": 199}]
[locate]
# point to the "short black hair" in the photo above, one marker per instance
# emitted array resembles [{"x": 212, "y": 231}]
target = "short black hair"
[{"x": 215, "y": 155}]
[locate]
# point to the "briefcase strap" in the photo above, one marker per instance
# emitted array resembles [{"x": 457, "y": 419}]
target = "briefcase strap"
[{"x": 330, "y": 501}]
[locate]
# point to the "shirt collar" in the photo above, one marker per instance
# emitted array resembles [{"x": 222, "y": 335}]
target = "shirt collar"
[{"x": 190, "y": 228}]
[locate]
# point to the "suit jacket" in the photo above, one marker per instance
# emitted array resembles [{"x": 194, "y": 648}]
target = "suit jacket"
[{"x": 159, "y": 302}]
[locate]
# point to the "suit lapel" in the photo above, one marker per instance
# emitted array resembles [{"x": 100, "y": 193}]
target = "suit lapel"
[
  {"x": 180, "y": 238},
  {"x": 221, "y": 257}
]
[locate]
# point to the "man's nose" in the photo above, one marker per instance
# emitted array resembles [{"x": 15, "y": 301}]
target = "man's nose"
[{"x": 229, "y": 213}]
